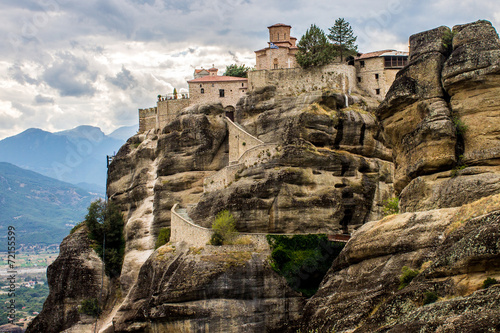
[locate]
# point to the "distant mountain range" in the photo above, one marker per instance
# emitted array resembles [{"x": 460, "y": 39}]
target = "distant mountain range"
[
  {"x": 77, "y": 156},
  {"x": 42, "y": 209}
]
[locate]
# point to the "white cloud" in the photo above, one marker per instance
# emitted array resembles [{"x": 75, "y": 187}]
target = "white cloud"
[{"x": 68, "y": 63}]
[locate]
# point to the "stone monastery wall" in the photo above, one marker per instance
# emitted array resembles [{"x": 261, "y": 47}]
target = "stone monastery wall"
[
  {"x": 169, "y": 109},
  {"x": 147, "y": 119},
  {"x": 183, "y": 229},
  {"x": 257, "y": 155},
  {"x": 293, "y": 81},
  {"x": 239, "y": 141}
]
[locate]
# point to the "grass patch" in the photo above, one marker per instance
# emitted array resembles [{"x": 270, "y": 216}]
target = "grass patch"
[
  {"x": 430, "y": 297},
  {"x": 90, "y": 307},
  {"x": 407, "y": 276},
  {"x": 303, "y": 260},
  {"x": 489, "y": 282},
  {"x": 391, "y": 206}
]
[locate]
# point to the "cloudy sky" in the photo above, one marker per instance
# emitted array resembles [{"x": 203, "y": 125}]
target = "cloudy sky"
[{"x": 66, "y": 63}]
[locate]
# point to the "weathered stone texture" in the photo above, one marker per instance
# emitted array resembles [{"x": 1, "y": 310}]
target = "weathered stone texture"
[
  {"x": 73, "y": 277},
  {"x": 455, "y": 249},
  {"x": 213, "y": 289}
]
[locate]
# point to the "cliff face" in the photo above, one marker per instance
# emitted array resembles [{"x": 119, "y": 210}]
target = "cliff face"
[
  {"x": 331, "y": 172},
  {"x": 233, "y": 289},
  {"x": 75, "y": 276},
  {"x": 442, "y": 120}
]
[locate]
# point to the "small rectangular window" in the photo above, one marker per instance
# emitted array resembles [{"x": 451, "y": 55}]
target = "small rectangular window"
[
  {"x": 221, "y": 92},
  {"x": 359, "y": 79},
  {"x": 361, "y": 63},
  {"x": 376, "y": 76},
  {"x": 202, "y": 90},
  {"x": 377, "y": 91}
]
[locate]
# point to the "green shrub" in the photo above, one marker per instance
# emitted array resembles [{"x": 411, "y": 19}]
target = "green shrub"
[
  {"x": 407, "y": 276},
  {"x": 76, "y": 227},
  {"x": 430, "y": 297},
  {"x": 106, "y": 221},
  {"x": 489, "y": 282},
  {"x": 391, "y": 206},
  {"x": 216, "y": 240},
  {"x": 224, "y": 227},
  {"x": 460, "y": 126},
  {"x": 303, "y": 260},
  {"x": 90, "y": 307},
  {"x": 163, "y": 237}
]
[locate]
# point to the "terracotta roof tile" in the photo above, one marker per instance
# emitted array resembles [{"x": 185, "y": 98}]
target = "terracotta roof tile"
[{"x": 217, "y": 79}]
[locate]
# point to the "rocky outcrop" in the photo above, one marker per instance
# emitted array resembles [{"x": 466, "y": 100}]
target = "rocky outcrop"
[
  {"x": 75, "y": 276},
  {"x": 153, "y": 171},
  {"x": 442, "y": 117},
  {"x": 454, "y": 249},
  {"x": 415, "y": 115},
  {"x": 331, "y": 173},
  {"x": 213, "y": 289}
]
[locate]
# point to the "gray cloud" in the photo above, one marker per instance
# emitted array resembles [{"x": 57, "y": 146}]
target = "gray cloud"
[
  {"x": 39, "y": 99},
  {"x": 27, "y": 111},
  {"x": 17, "y": 73},
  {"x": 71, "y": 76},
  {"x": 135, "y": 49},
  {"x": 123, "y": 80}
]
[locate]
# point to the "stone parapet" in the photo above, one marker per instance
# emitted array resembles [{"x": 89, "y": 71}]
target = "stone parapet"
[
  {"x": 293, "y": 81},
  {"x": 254, "y": 156}
]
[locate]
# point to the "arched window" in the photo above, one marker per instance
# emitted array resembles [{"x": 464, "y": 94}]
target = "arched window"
[{"x": 275, "y": 63}]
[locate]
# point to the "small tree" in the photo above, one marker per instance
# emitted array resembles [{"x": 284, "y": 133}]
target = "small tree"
[
  {"x": 342, "y": 36},
  {"x": 224, "y": 228},
  {"x": 314, "y": 48},
  {"x": 237, "y": 71},
  {"x": 106, "y": 221},
  {"x": 175, "y": 93}
]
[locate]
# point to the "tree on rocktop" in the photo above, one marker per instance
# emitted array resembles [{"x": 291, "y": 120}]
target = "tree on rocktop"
[
  {"x": 343, "y": 38},
  {"x": 314, "y": 48},
  {"x": 238, "y": 71}
]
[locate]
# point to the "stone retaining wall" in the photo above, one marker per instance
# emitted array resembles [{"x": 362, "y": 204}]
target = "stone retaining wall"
[
  {"x": 239, "y": 140},
  {"x": 185, "y": 230},
  {"x": 293, "y": 81},
  {"x": 254, "y": 156}
]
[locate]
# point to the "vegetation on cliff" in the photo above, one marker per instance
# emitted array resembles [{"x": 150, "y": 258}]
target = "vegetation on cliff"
[
  {"x": 303, "y": 259},
  {"x": 105, "y": 223}
]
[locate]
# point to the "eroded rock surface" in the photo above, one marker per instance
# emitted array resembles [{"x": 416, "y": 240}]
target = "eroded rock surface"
[
  {"x": 213, "y": 289},
  {"x": 331, "y": 174},
  {"x": 442, "y": 117},
  {"x": 455, "y": 250},
  {"x": 75, "y": 276}
]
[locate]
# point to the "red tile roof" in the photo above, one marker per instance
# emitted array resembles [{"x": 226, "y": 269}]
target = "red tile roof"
[
  {"x": 217, "y": 79},
  {"x": 279, "y": 25}
]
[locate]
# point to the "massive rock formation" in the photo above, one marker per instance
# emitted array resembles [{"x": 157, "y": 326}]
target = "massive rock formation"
[
  {"x": 442, "y": 121},
  {"x": 331, "y": 174},
  {"x": 442, "y": 117},
  {"x": 216, "y": 289},
  {"x": 75, "y": 276},
  {"x": 455, "y": 250}
]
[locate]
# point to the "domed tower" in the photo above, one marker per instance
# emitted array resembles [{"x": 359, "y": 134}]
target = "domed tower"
[
  {"x": 280, "y": 53},
  {"x": 279, "y": 33}
]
